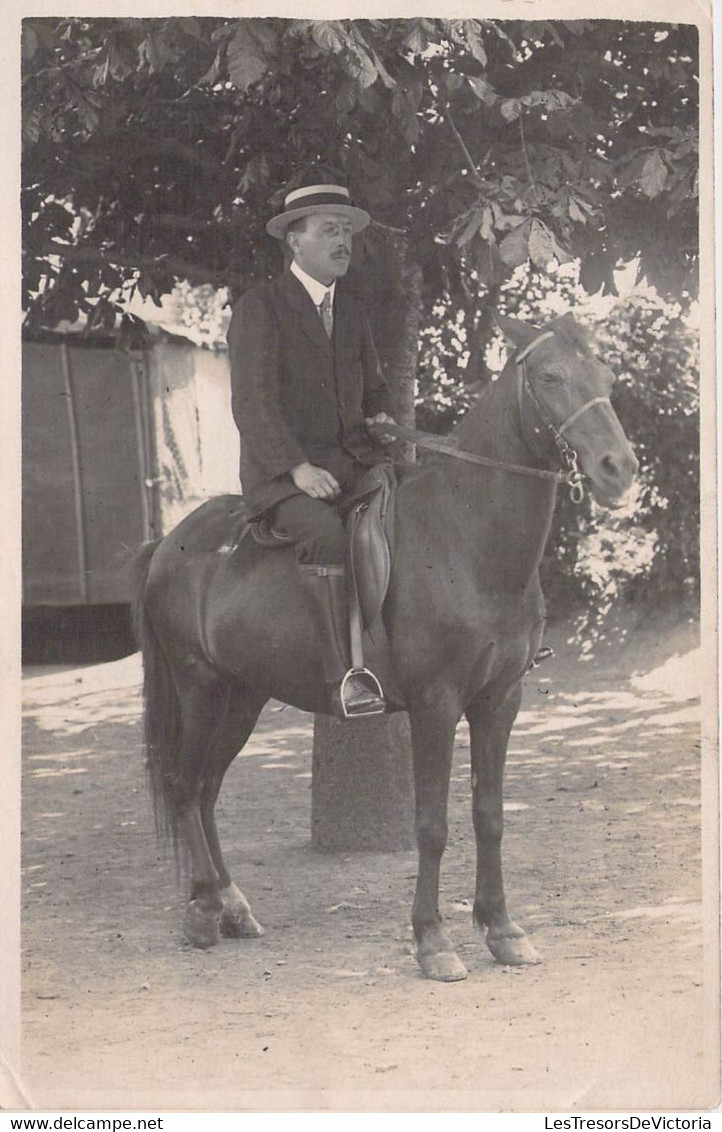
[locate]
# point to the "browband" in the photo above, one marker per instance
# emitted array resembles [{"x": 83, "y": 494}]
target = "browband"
[{"x": 543, "y": 337}]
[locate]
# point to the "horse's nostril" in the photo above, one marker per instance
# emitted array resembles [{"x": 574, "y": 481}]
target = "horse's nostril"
[
  {"x": 609, "y": 466},
  {"x": 616, "y": 469}
]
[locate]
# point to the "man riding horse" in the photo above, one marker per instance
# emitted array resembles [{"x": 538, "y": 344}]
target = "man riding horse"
[
  {"x": 306, "y": 383},
  {"x": 223, "y": 623}
]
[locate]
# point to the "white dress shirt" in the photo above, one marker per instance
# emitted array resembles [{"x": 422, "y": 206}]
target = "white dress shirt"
[{"x": 316, "y": 290}]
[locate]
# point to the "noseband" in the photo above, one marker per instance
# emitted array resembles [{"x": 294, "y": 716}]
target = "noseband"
[{"x": 567, "y": 455}]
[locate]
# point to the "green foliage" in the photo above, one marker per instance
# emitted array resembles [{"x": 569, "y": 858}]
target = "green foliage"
[
  {"x": 655, "y": 356},
  {"x": 203, "y": 312},
  {"x": 153, "y": 147},
  {"x": 649, "y": 552}
]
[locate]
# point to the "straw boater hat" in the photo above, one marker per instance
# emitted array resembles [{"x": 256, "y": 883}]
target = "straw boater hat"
[{"x": 311, "y": 200}]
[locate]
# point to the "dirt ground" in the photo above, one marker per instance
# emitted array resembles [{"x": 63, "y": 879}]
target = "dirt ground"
[{"x": 328, "y": 1010}]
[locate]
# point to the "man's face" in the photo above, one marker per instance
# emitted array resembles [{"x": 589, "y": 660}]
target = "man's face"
[{"x": 323, "y": 247}]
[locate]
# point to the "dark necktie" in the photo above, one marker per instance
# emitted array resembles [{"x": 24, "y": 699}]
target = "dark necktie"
[{"x": 327, "y": 313}]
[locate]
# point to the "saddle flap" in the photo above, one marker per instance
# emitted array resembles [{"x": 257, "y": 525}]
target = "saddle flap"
[{"x": 370, "y": 531}]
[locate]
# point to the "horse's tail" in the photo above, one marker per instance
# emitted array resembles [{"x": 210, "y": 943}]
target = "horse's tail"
[{"x": 161, "y": 714}]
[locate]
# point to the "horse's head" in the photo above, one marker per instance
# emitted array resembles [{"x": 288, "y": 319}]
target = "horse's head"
[{"x": 564, "y": 404}]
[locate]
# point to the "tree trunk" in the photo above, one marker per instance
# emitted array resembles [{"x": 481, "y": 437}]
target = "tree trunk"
[
  {"x": 363, "y": 791},
  {"x": 362, "y": 787}
]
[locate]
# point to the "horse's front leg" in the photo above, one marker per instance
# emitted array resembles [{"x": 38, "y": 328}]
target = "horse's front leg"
[
  {"x": 489, "y": 730},
  {"x": 432, "y": 736}
]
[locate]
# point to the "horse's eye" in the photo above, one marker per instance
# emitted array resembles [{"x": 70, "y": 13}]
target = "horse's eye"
[{"x": 550, "y": 377}]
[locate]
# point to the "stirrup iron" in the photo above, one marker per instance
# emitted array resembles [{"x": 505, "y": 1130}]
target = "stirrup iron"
[{"x": 368, "y": 677}]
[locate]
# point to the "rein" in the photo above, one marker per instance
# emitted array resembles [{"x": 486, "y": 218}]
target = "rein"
[
  {"x": 571, "y": 474},
  {"x": 448, "y": 447}
]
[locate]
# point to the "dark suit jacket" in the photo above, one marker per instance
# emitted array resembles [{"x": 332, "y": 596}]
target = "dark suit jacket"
[{"x": 296, "y": 395}]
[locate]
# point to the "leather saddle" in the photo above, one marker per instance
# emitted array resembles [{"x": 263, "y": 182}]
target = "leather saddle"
[
  {"x": 370, "y": 528},
  {"x": 369, "y": 525}
]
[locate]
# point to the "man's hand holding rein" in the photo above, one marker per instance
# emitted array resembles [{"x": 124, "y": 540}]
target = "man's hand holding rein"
[
  {"x": 315, "y": 481},
  {"x": 373, "y": 427}
]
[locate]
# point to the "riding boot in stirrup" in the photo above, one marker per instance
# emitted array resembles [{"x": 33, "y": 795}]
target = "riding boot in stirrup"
[{"x": 353, "y": 693}]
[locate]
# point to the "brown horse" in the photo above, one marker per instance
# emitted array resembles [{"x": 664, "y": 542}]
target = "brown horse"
[{"x": 224, "y": 628}]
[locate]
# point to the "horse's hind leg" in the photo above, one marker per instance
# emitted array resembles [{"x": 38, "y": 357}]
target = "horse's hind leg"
[
  {"x": 237, "y": 919},
  {"x": 204, "y": 699},
  {"x": 489, "y": 730}
]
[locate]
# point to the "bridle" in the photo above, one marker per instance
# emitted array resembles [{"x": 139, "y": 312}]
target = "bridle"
[
  {"x": 567, "y": 455},
  {"x": 570, "y": 473}
]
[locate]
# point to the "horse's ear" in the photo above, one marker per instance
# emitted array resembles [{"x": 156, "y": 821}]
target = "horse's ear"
[
  {"x": 570, "y": 330},
  {"x": 520, "y": 334},
  {"x": 567, "y": 320}
]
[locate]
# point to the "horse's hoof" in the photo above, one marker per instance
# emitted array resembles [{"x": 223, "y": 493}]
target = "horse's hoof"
[
  {"x": 240, "y": 924},
  {"x": 237, "y": 920},
  {"x": 513, "y": 951},
  {"x": 200, "y": 927},
  {"x": 443, "y": 966}
]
